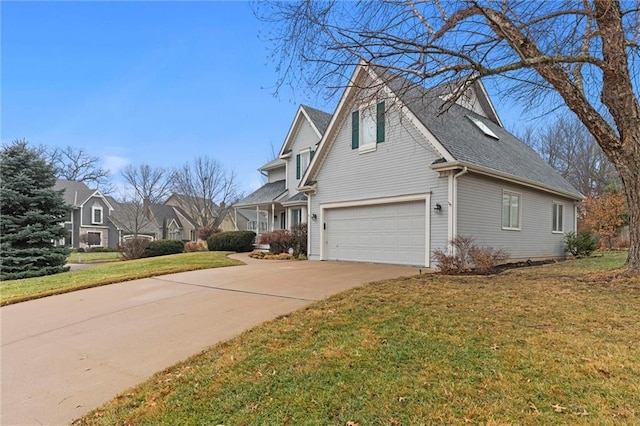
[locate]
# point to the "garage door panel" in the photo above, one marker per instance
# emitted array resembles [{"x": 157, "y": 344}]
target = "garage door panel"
[{"x": 384, "y": 233}]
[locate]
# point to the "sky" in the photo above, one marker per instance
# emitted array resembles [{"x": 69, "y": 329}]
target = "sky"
[{"x": 159, "y": 83}]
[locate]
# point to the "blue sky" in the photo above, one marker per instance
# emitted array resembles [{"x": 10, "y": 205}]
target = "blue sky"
[{"x": 153, "y": 82}]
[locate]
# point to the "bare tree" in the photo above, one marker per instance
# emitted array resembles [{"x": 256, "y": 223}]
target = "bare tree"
[
  {"x": 148, "y": 183},
  {"x": 133, "y": 217},
  {"x": 203, "y": 186},
  {"x": 567, "y": 146},
  {"x": 578, "y": 54},
  {"x": 76, "y": 164}
]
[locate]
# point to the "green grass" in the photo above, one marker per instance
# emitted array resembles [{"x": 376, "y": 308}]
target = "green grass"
[
  {"x": 541, "y": 345},
  {"x": 94, "y": 257},
  {"x": 15, "y": 291}
]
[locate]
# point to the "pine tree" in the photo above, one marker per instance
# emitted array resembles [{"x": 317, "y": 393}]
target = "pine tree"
[{"x": 31, "y": 214}]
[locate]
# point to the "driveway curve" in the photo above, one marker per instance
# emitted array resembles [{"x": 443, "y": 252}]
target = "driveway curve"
[{"x": 64, "y": 355}]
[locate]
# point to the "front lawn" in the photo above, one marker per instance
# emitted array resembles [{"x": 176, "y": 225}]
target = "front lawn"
[
  {"x": 94, "y": 257},
  {"x": 557, "y": 344},
  {"x": 15, "y": 291}
]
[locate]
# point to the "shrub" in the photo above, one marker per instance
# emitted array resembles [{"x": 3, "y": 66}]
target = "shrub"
[
  {"x": 163, "y": 247},
  {"x": 206, "y": 231},
  {"x": 484, "y": 259},
  {"x": 581, "y": 244},
  {"x": 81, "y": 250},
  {"x": 134, "y": 248},
  {"x": 281, "y": 241},
  {"x": 239, "y": 241},
  {"x": 195, "y": 246},
  {"x": 467, "y": 255}
]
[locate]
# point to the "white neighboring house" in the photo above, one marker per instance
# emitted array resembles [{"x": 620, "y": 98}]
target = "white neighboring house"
[
  {"x": 397, "y": 175},
  {"x": 278, "y": 204}
]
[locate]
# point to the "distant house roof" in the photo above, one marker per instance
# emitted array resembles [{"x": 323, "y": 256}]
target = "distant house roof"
[
  {"x": 267, "y": 193},
  {"x": 77, "y": 193},
  {"x": 319, "y": 118}
]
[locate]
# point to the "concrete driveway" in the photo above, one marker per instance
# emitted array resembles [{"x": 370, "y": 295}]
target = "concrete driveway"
[{"x": 65, "y": 355}]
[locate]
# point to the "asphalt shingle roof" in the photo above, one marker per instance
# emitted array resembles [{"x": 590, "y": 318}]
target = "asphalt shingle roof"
[
  {"x": 466, "y": 142},
  {"x": 297, "y": 197},
  {"x": 265, "y": 194},
  {"x": 75, "y": 193},
  {"x": 320, "y": 119}
]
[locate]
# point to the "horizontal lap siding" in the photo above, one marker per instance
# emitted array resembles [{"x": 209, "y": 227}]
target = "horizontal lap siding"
[
  {"x": 480, "y": 216},
  {"x": 399, "y": 166},
  {"x": 305, "y": 137}
]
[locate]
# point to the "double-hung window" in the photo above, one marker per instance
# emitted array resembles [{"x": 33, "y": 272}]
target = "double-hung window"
[
  {"x": 557, "y": 218},
  {"x": 368, "y": 127},
  {"x": 303, "y": 159},
  {"x": 96, "y": 214},
  {"x": 511, "y": 204}
]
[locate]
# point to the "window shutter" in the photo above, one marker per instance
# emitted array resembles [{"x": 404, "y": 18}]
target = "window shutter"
[
  {"x": 311, "y": 156},
  {"x": 298, "y": 166},
  {"x": 380, "y": 122},
  {"x": 355, "y": 129}
]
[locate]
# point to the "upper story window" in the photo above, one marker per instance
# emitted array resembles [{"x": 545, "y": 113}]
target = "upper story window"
[
  {"x": 557, "y": 218},
  {"x": 368, "y": 127},
  {"x": 511, "y": 205},
  {"x": 96, "y": 214},
  {"x": 303, "y": 159}
]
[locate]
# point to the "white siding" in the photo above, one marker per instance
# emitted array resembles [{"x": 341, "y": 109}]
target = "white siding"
[
  {"x": 480, "y": 216},
  {"x": 304, "y": 138},
  {"x": 277, "y": 174},
  {"x": 399, "y": 166}
]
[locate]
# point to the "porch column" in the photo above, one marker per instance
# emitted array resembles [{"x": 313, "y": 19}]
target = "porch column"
[
  {"x": 303, "y": 215},
  {"x": 235, "y": 218},
  {"x": 273, "y": 212},
  {"x": 257, "y": 222}
]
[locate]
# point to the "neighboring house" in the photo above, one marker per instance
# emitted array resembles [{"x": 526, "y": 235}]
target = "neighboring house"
[
  {"x": 278, "y": 204},
  {"x": 399, "y": 172},
  {"x": 153, "y": 221},
  {"x": 196, "y": 208},
  {"x": 90, "y": 216}
]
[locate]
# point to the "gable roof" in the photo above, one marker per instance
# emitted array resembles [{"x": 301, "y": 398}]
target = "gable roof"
[
  {"x": 319, "y": 121},
  {"x": 453, "y": 134},
  {"x": 78, "y": 193},
  {"x": 267, "y": 193}
]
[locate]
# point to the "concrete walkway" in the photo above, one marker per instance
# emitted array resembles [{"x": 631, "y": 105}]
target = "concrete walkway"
[{"x": 65, "y": 355}]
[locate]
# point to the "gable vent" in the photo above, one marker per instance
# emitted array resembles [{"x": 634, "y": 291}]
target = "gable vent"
[{"x": 485, "y": 129}]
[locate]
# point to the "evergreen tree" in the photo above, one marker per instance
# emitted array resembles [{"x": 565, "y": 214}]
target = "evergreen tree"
[{"x": 31, "y": 214}]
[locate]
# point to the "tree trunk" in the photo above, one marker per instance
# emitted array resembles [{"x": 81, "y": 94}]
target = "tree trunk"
[{"x": 630, "y": 175}]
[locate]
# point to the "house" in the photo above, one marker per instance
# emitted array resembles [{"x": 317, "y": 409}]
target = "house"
[
  {"x": 278, "y": 204},
  {"x": 153, "y": 221},
  {"x": 400, "y": 170},
  {"x": 89, "y": 220}
]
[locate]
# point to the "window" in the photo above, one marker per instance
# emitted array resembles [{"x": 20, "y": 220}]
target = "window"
[
  {"x": 558, "y": 218},
  {"x": 368, "y": 127},
  {"x": 94, "y": 239},
  {"x": 96, "y": 214},
  {"x": 302, "y": 161},
  {"x": 296, "y": 217},
  {"x": 510, "y": 210}
]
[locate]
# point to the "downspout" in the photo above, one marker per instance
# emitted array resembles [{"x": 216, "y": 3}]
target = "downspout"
[{"x": 454, "y": 221}]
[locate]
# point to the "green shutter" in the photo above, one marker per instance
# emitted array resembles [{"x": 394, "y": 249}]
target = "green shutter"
[
  {"x": 380, "y": 122},
  {"x": 355, "y": 129},
  {"x": 311, "y": 156},
  {"x": 298, "y": 166}
]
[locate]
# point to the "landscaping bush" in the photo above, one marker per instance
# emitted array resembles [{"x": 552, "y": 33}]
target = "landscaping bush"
[
  {"x": 281, "y": 241},
  {"x": 195, "y": 246},
  {"x": 467, "y": 256},
  {"x": 163, "y": 247},
  {"x": 239, "y": 241},
  {"x": 80, "y": 250},
  {"x": 134, "y": 248},
  {"x": 581, "y": 244},
  {"x": 206, "y": 231}
]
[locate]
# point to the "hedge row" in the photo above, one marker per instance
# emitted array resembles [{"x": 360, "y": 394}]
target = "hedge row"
[
  {"x": 238, "y": 241},
  {"x": 163, "y": 247}
]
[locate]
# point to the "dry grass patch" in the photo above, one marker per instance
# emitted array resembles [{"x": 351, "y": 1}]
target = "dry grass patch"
[{"x": 532, "y": 346}]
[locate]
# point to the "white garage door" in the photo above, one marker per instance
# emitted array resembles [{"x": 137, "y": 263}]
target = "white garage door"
[{"x": 382, "y": 233}]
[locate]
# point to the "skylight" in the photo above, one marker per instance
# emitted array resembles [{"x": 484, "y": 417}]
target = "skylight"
[{"x": 486, "y": 130}]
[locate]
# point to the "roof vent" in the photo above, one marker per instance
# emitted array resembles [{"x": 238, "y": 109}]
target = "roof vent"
[{"x": 485, "y": 129}]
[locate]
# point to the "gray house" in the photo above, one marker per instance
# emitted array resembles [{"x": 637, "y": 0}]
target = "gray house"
[
  {"x": 90, "y": 216},
  {"x": 399, "y": 172},
  {"x": 278, "y": 204}
]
